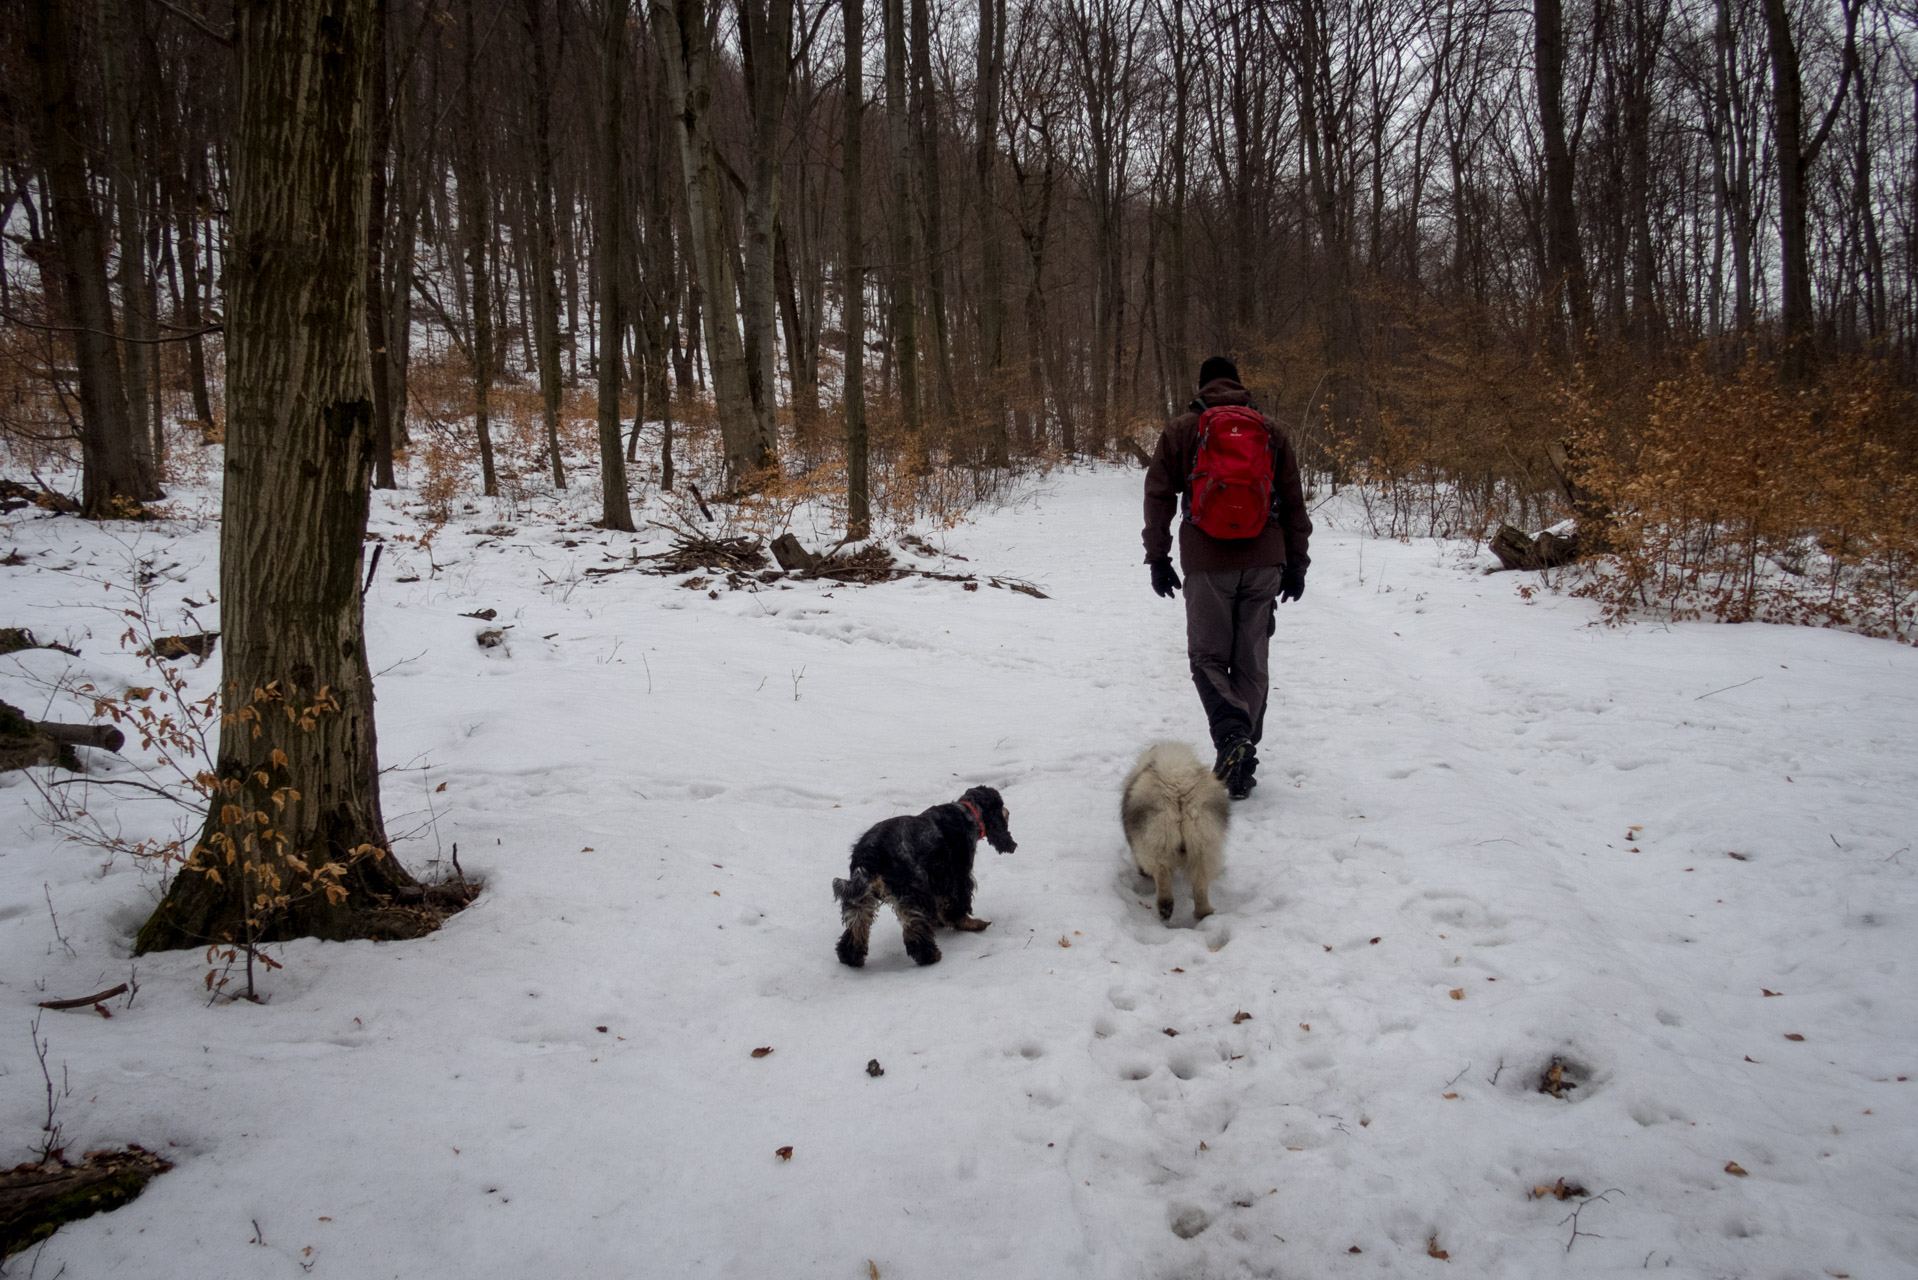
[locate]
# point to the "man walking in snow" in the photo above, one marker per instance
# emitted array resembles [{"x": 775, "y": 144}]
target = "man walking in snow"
[{"x": 1231, "y": 476}]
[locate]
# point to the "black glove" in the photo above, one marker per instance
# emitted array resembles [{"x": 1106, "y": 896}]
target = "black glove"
[
  {"x": 1292, "y": 585},
  {"x": 1164, "y": 580}
]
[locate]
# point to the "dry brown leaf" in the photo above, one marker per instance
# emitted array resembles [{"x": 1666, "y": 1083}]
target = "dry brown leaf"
[
  {"x": 784, "y": 1153},
  {"x": 762, "y": 1051},
  {"x": 1766, "y": 991},
  {"x": 1241, "y": 1016},
  {"x": 1432, "y": 1250},
  {"x": 872, "y": 1268},
  {"x": 1065, "y": 942},
  {"x": 1731, "y": 1167},
  {"x": 1374, "y": 942},
  {"x": 1305, "y": 1026},
  {"x": 441, "y": 787},
  {"x": 1793, "y": 1035},
  {"x": 1457, "y": 993},
  {"x": 1169, "y": 1031},
  {"x": 1448, "y": 1095}
]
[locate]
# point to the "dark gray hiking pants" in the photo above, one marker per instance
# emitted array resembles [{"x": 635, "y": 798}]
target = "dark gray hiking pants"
[{"x": 1228, "y": 631}]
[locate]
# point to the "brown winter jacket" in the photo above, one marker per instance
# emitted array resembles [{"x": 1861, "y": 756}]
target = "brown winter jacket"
[{"x": 1284, "y": 538}]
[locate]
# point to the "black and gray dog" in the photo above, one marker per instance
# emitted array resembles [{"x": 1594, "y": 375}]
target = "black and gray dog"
[{"x": 922, "y": 865}]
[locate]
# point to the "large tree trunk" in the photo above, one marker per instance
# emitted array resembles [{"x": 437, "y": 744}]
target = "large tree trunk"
[
  {"x": 686, "y": 55},
  {"x": 378, "y": 324},
  {"x": 111, "y": 472},
  {"x": 294, "y": 843},
  {"x": 616, "y": 509},
  {"x": 925, "y": 130},
  {"x": 117, "y": 58},
  {"x": 475, "y": 229},
  {"x": 545, "y": 288},
  {"x": 992, "y": 272},
  {"x": 1565, "y": 287},
  {"x": 853, "y": 274},
  {"x": 903, "y": 276},
  {"x": 1796, "y": 156},
  {"x": 766, "y": 37}
]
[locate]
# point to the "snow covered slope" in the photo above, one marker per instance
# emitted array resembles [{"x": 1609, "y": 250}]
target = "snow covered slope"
[{"x": 1488, "y": 836}]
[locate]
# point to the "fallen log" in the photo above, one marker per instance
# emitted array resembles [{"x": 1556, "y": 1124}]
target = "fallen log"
[
  {"x": 15, "y": 639},
  {"x": 103, "y": 736},
  {"x": 24, "y": 744},
  {"x": 1517, "y": 549},
  {"x": 38, "y": 1199}
]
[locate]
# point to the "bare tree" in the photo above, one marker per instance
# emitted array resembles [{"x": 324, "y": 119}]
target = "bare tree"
[{"x": 294, "y": 842}]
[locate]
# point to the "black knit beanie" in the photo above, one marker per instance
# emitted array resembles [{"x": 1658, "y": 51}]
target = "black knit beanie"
[{"x": 1217, "y": 367}]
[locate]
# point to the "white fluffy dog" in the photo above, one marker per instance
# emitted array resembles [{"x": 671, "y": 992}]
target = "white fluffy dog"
[{"x": 1175, "y": 814}]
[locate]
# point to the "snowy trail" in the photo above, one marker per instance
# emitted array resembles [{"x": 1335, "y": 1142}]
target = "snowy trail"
[{"x": 1460, "y": 791}]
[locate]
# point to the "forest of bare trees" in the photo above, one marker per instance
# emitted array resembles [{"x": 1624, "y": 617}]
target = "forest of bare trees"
[{"x": 1410, "y": 220}]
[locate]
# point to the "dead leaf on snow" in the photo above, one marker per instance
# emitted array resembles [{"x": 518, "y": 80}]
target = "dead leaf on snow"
[
  {"x": 1731, "y": 1167},
  {"x": 1793, "y": 1035},
  {"x": 1432, "y": 1250},
  {"x": 762, "y": 1051},
  {"x": 1560, "y": 1190},
  {"x": 1457, "y": 993},
  {"x": 1766, "y": 991},
  {"x": 1240, "y": 1016},
  {"x": 1448, "y": 1095},
  {"x": 784, "y": 1153}
]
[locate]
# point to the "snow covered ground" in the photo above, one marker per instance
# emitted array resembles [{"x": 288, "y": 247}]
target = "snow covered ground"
[{"x": 1489, "y": 835}]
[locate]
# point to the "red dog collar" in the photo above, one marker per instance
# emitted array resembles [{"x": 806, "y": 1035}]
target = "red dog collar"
[{"x": 973, "y": 809}]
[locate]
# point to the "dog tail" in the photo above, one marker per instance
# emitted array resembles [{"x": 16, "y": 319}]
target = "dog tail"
[{"x": 848, "y": 891}]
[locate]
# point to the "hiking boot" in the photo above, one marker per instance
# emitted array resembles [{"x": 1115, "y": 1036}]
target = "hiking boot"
[
  {"x": 1234, "y": 768},
  {"x": 1240, "y": 784}
]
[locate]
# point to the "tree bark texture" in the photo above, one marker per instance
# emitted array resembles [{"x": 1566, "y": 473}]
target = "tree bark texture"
[{"x": 297, "y": 765}]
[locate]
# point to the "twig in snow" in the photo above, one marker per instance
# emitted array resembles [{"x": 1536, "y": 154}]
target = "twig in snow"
[
  {"x": 700, "y": 498},
  {"x": 1461, "y": 1073},
  {"x": 1496, "y": 1070},
  {"x": 1728, "y": 688},
  {"x": 1572, "y": 1218},
  {"x": 60, "y": 937},
  {"x": 84, "y": 1001},
  {"x": 50, "y": 1144},
  {"x": 797, "y": 677}
]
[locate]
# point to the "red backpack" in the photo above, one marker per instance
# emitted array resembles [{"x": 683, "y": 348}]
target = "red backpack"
[{"x": 1231, "y": 486}]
